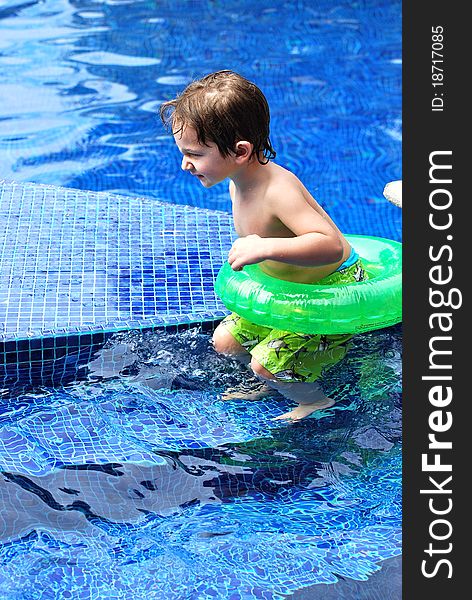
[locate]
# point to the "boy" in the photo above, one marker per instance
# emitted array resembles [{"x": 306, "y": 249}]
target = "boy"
[{"x": 221, "y": 126}]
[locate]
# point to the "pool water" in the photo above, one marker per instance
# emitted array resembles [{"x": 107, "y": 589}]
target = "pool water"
[
  {"x": 81, "y": 83},
  {"x": 137, "y": 479}
]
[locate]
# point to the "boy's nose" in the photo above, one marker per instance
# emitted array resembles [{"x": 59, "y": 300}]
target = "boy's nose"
[{"x": 186, "y": 164}]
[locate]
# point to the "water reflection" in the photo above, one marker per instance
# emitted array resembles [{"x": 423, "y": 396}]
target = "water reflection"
[{"x": 141, "y": 459}]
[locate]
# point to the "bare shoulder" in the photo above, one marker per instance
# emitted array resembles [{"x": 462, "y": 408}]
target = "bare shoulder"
[
  {"x": 293, "y": 205},
  {"x": 285, "y": 186}
]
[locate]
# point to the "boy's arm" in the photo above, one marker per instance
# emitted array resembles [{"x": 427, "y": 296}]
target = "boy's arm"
[{"x": 316, "y": 242}]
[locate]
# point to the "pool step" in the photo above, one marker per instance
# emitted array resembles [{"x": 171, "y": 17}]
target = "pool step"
[{"x": 77, "y": 266}]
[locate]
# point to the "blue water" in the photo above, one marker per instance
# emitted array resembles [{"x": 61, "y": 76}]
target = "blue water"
[
  {"x": 136, "y": 480},
  {"x": 81, "y": 83}
]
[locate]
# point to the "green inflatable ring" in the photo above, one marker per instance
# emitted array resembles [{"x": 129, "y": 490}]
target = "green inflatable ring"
[{"x": 322, "y": 309}]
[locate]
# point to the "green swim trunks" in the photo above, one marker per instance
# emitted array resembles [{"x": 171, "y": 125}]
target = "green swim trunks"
[{"x": 295, "y": 356}]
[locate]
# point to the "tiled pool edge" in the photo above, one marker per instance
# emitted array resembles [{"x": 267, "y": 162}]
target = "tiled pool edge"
[
  {"x": 57, "y": 360},
  {"x": 156, "y": 269}
]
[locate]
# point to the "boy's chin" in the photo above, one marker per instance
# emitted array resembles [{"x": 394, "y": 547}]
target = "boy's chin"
[{"x": 206, "y": 183}]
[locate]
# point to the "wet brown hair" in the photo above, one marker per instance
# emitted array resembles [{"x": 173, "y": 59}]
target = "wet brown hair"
[{"x": 223, "y": 108}]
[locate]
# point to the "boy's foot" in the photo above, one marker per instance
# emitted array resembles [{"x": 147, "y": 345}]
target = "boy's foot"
[
  {"x": 303, "y": 410},
  {"x": 254, "y": 391}
]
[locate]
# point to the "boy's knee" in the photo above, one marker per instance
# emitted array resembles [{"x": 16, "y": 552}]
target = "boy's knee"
[
  {"x": 260, "y": 371},
  {"x": 225, "y": 343}
]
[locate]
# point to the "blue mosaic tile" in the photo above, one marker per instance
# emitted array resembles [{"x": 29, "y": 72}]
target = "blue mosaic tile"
[
  {"x": 74, "y": 262},
  {"x": 132, "y": 478},
  {"x": 116, "y": 489}
]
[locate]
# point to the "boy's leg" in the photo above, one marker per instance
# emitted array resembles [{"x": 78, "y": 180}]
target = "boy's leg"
[
  {"x": 235, "y": 337},
  {"x": 308, "y": 396},
  {"x": 292, "y": 363},
  {"x": 225, "y": 343}
]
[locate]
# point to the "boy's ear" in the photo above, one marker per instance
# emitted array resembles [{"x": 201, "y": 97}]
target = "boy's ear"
[{"x": 243, "y": 149}]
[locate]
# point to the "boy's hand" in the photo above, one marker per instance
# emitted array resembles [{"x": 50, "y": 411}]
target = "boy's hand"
[{"x": 248, "y": 250}]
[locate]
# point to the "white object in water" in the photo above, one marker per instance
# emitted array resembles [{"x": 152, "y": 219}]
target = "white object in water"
[{"x": 393, "y": 192}]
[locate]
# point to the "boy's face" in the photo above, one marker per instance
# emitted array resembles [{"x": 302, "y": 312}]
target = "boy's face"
[{"x": 204, "y": 162}]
